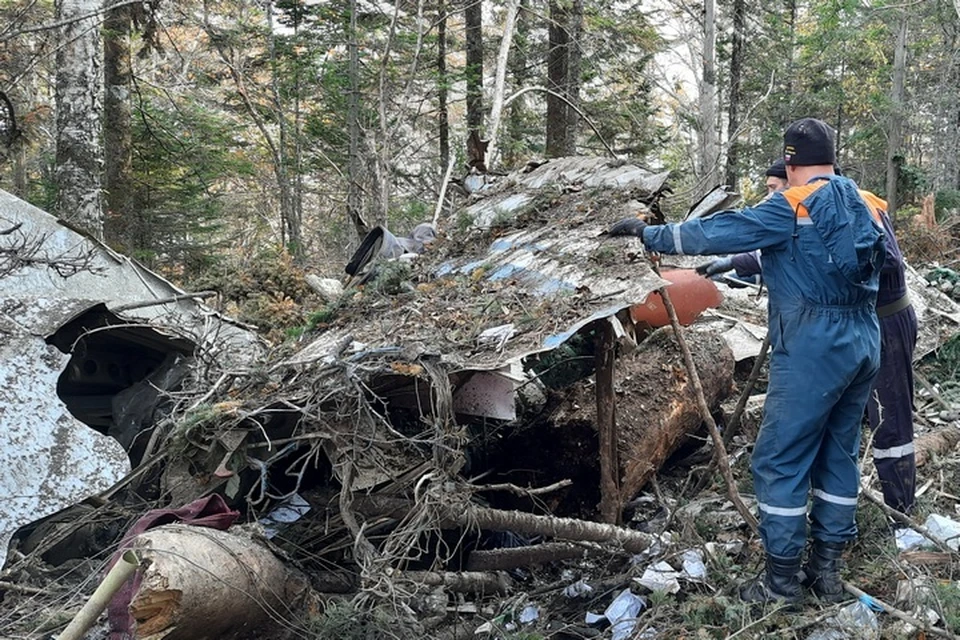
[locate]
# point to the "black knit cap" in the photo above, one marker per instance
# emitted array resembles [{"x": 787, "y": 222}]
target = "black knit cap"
[
  {"x": 777, "y": 170},
  {"x": 809, "y": 142}
]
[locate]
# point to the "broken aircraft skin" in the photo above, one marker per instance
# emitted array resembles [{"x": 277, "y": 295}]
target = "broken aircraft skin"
[{"x": 65, "y": 354}]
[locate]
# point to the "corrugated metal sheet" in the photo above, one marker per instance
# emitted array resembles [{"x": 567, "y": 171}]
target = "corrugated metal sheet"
[{"x": 550, "y": 276}]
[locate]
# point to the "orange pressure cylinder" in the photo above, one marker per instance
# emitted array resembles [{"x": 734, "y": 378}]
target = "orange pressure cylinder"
[{"x": 690, "y": 292}]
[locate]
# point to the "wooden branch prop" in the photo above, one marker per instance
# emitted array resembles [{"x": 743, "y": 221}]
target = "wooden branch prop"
[
  {"x": 721, "y": 451},
  {"x": 114, "y": 580},
  {"x": 900, "y": 615},
  {"x": 611, "y": 502},
  {"x": 470, "y": 515},
  {"x": 537, "y": 554},
  {"x": 205, "y": 583},
  {"x": 481, "y": 583}
]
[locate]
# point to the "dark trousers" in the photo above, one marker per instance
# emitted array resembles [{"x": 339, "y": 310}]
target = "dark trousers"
[{"x": 890, "y": 410}]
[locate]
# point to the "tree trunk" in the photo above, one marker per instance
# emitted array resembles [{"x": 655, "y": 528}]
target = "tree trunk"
[
  {"x": 79, "y": 86},
  {"x": 656, "y": 405},
  {"x": 709, "y": 146},
  {"x": 572, "y": 89},
  {"x": 473, "y": 17},
  {"x": 557, "y": 107},
  {"x": 204, "y": 583},
  {"x": 896, "y": 118},
  {"x": 499, "y": 85},
  {"x": 519, "y": 73},
  {"x": 354, "y": 193},
  {"x": 443, "y": 115},
  {"x": 736, "y": 71},
  {"x": 122, "y": 227},
  {"x": 288, "y": 206}
]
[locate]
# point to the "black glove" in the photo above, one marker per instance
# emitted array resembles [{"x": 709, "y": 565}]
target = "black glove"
[
  {"x": 715, "y": 267},
  {"x": 628, "y": 227}
]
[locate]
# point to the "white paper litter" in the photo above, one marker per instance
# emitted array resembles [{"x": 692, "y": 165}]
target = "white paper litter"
[
  {"x": 944, "y": 528},
  {"x": 693, "y": 566},
  {"x": 578, "y": 589},
  {"x": 660, "y": 577},
  {"x": 622, "y": 614},
  {"x": 908, "y": 539}
]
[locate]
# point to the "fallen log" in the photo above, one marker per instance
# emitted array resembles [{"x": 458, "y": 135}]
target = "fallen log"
[
  {"x": 501, "y": 559},
  {"x": 204, "y": 583},
  {"x": 478, "y": 582},
  {"x": 656, "y": 403},
  {"x": 937, "y": 442},
  {"x": 470, "y": 515}
]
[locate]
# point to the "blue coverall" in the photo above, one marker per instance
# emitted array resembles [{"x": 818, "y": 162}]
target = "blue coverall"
[
  {"x": 890, "y": 406},
  {"x": 822, "y": 249}
]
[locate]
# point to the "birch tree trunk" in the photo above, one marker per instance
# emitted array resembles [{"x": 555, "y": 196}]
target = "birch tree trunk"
[
  {"x": 503, "y": 57},
  {"x": 896, "y": 117},
  {"x": 709, "y": 145},
  {"x": 79, "y": 99},
  {"x": 121, "y": 226}
]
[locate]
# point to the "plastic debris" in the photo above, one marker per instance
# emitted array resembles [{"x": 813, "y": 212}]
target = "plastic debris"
[
  {"x": 290, "y": 510},
  {"x": 622, "y": 614},
  {"x": 660, "y": 577},
  {"x": 857, "y": 621},
  {"x": 529, "y": 614},
  {"x": 593, "y": 619},
  {"x": 578, "y": 589},
  {"x": 944, "y": 528},
  {"x": 908, "y": 539},
  {"x": 693, "y": 566}
]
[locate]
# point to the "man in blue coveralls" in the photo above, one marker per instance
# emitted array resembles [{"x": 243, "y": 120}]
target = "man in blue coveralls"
[
  {"x": 890, "y": 407},
  {"x": 822, "y": 249}
]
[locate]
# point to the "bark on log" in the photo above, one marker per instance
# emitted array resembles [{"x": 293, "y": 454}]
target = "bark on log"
[
  {"x": 656, "y": 405},
  {"x": 469, "y": 515},
  {"x": 502, "y": 559},
  {"x": 204, "y": 583},
  {"x": 937, "y": 442},
  {"x": 481, "y": 583}
]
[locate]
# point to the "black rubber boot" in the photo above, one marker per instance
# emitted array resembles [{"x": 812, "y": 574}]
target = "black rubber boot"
[
  {"x": 821, "y": 573},
  {"x": 779, "y": 582}
]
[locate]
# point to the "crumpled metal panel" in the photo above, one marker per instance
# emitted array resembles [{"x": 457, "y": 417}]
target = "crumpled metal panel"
[
  {"x": 111, "y": 278},
  {"x": 48, "y": 459}
]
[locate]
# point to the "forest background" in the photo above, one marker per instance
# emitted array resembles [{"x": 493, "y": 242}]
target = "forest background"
[{"x": 233, "y": 145}]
